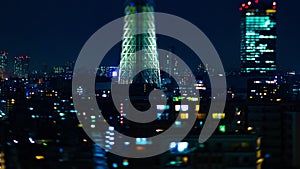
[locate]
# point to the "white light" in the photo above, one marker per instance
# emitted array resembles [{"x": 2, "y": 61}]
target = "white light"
[
  {"x": 172, "y": 145},
  {"x": 178, "y": 123},
  {"x": 184, "y": 107},
  {"x": 177, "y": 107},
  {"x": 159, "y": 130},
  {"x": 160, "y": 107},
  {"x": 182, "y": 146},
  {"x": 15, "y": 141},
  {"x": 31, "y": 140},
  {"x": 115, "y": 74}
]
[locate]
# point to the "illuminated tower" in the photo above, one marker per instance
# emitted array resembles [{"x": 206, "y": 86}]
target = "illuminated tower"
[
  {"x": 258, "y": 38},
  {"x": 3, "y": 63},
  {"x": 21, "y": 66},
  {"x": 131, "y": 59}
]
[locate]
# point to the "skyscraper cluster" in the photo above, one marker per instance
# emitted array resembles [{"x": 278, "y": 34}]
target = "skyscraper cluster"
[{"x": 20, "y": 66}]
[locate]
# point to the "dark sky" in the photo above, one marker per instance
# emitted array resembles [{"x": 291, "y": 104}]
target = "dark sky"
[{"x": 54, "y": 31}]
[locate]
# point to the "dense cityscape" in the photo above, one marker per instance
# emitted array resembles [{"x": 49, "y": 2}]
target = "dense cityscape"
[{"x": 40, "y": 128}]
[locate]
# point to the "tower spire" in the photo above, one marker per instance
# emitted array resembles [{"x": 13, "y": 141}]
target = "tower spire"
[{"x": 139, "y": 51}]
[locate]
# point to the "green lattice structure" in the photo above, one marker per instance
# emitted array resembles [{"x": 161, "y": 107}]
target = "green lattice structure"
[{"x": 147, "y": 58}]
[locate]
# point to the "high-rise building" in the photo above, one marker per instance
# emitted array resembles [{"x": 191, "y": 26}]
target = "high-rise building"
[
  {"x": 21, "y": 66},
  {"x": 3, "y": 63},
  {"x": 258, "y": 38},
  {"x": 131, "y": 59}
]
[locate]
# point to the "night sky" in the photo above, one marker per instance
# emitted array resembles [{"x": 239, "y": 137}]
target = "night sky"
[{"x": 54, "y": 31}]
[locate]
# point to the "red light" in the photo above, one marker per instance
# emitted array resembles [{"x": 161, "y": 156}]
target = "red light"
[
  {"x": 246, "y": 6},
  {"x": 274, "y": 7},
  {"x": 240, "y": 8},
  {"x": 256, "y": 1}
]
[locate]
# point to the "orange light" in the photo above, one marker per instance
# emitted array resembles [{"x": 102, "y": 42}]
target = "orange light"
[
  {"x": 243, "y": 5},
  {"x": 185, "y": 159},
  {"x": 140, "y": 148},
  {"x": 201, "y": 116},
  {"x": 270, "y": 11}
]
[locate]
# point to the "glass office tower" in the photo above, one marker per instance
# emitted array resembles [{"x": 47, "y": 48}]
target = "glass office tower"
[{"x": 258, "y": 38}]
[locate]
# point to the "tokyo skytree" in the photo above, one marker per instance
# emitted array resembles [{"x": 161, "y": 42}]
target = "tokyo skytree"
[{"x": 139, "y": 52}]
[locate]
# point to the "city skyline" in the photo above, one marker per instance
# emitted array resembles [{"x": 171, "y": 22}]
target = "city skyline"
[
  {"x": 170, "y": 115},
  {"x": 58, "y": 36}
]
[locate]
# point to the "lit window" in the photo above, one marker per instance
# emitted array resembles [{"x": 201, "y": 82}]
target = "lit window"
[
  {"x": 218, "y": 115},
  {"x": 184, "y": 115}
]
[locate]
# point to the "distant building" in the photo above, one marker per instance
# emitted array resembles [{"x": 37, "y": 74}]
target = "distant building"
[
  {"x": 3, "y": 64},
  {"x": 291, "y": 137},
  {"x": 21, "y": 66},
  {"x": 267, "y": 120},
  {"x": 169, "y": 63},
  {"x": 258, "y": 38},
  {"x": 232, "y": 151},
  {"x": 266, "y": 90},
  {"x": 107, "y": 71},
  {"x": 58, "y": 70}
]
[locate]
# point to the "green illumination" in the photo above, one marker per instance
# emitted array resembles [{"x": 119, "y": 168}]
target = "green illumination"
[
  {"x": 131, "y": 43},
  {"x": 222, "y": 128},
  {"x": 173, "y": 162},
  {"x": 179, "y": 98}
]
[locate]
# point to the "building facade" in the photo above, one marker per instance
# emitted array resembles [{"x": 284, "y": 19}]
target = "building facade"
[
  {"x": 3, "y": 64},
  {"x": 258, "y": 38},
  {"x": 21, "y": 66}
]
